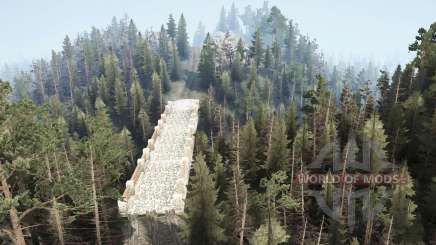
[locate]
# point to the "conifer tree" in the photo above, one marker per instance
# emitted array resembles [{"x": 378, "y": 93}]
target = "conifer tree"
[
  {"x": 240, "y": 49},
  {"x": 148, "y": 63},
  {"x": 132, "y": 34},
  {"x": 111, "y": 73},
  {"x": 203, "y": 217},
  {"x": 171, "y": 27},
  {"x": 175, "y": 64},
  {"x": 402, "y": 209},
  {"x": 105, "y": 161},
  {"x": 120, "y": 102},
  {"x": 226, "y": 85},
  {"x": 232, "y": 20},
  {"x": 138, "y": 99},
  {"x": 277, "y": 154},
  {"x": 182, "y": 39},
  {"x": 164, "y": 77},
  {"x": 164, "y": 48},
  {"x": 261, "y": 235},
  {"x": 206, "y": 67},
  {"x": 346, "y": 116},
  {"x": 290, "y": 43},
  {"x": 237, "y": 195},
  {"x": 383, "y": 102},
  {"x": 237, "y": 68},
  {"x": 156, "y": 99},
  {"x": 256, "y": 49},
  {"x": 144, "y": 123},
  {"x": 251, "y": 93},
  {"x": 222, "y": 22},
  {"x": 375, "y": 141},
  {"x": 199, "y": 35},
  {"x": 248, "y": 152},
  {"x": 291, "y": 123},
  {"x": 68, "y": 56}
]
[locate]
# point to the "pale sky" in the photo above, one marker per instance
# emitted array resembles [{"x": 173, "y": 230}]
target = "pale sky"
[{"x": 380, "y": 30}]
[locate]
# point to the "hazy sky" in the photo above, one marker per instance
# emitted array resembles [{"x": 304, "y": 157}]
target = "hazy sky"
[{"x": 372, "y": 29}]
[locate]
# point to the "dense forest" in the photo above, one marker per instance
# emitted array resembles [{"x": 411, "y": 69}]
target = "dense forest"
[{"x": 72, "y": 127}]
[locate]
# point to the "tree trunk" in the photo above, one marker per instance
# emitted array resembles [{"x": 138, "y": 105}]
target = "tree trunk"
[
  {"x": 94, "y": 197},
  {"x": 320, "y": 231},
  {"x": 244, "y": 215},
  {"x": 292, "y": 168},
  {"x": 389, "y": 232},
  {"x": 304, "y": 231},
  {"x": 56, "y": 213},
  {"x": 70, "y": 79},
  {"x": 344, "y": 171},
  {"x": 13, "y": 213}
]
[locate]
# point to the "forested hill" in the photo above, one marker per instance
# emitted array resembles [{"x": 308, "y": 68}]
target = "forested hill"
[{"x": 72, "y": 127}]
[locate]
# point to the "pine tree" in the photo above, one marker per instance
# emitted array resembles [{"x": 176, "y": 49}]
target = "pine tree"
[
  {"x": 222, "y": 22},
  {"x": 203, "y": 217},
  {"x": 279, "y": 236},
  {"x": 148, "y": 63},
  {"x": 16, "y": 232},
  {"x": 171, "y": 27},
  {"x": 112, "y": 74},
  {"x": 290, "y": 43},
  {"x": 199, "y": 35},
  {"x": 256, "y": 50},
  {"x": 226, "y": 85},
  {"x": 144, "y": 124},
  {"x": 237, "y": 68},
  {"x": 375, "y": 140},
  {"x": 251, "y": 94},
  {"x": 132, "y": 34},
  {"x": 383, "y": 102},
  {"x": 248, "y": 152},
  {"x": 395, "y": 87},
  {"x": 138, "y": 99},
  {"x": 164, "y": 77},
  {"x": 232, "y": 20},
  {"x": 346, "y": 117},
  {"x": 237, "y": 195},
  {"x": 206, "y": 67},
  {"x": 120, "y": 103},
  {"x": 175, "y": 64},
  {"x": 182, "y": 39},
  {"x": 22, "y": 85},
  {"x": 68, "y": 56},
  {"x": 156, "y": 99},
  {"x": 164, "y": 48},
  {"x": 291, "y": 123},
  {"x": 240, "y": 49},
  {"x": 267, "y": 62},
  {"x": 106, "y": 162},
  {"x": 277, "y": 154},
  {"x": 402, "y": 209}
]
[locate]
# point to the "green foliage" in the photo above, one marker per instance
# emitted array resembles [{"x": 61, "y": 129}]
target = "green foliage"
[
  {"x": 164, "y": 48},
  {"x": 260, "y": 236},
  {"x": 203, "y": 217},
  {"x": 248, "y": 151},
  {"x": 278, "y": 153},
  {"x": 156, "y": 99},
  {"x": 171, "y": 27},
  {"x": 206, "y": 67},
  {"x": 374, "y": 135},
  {"x": 182, "y": 39},
  {"x": 164, "y": 77}
]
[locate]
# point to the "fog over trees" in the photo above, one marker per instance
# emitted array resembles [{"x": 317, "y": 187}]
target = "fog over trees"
[{"x": 74, "y": 122}]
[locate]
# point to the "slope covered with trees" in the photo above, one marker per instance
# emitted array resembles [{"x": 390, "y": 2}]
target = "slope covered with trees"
[{"x": 72, "y": 126}]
